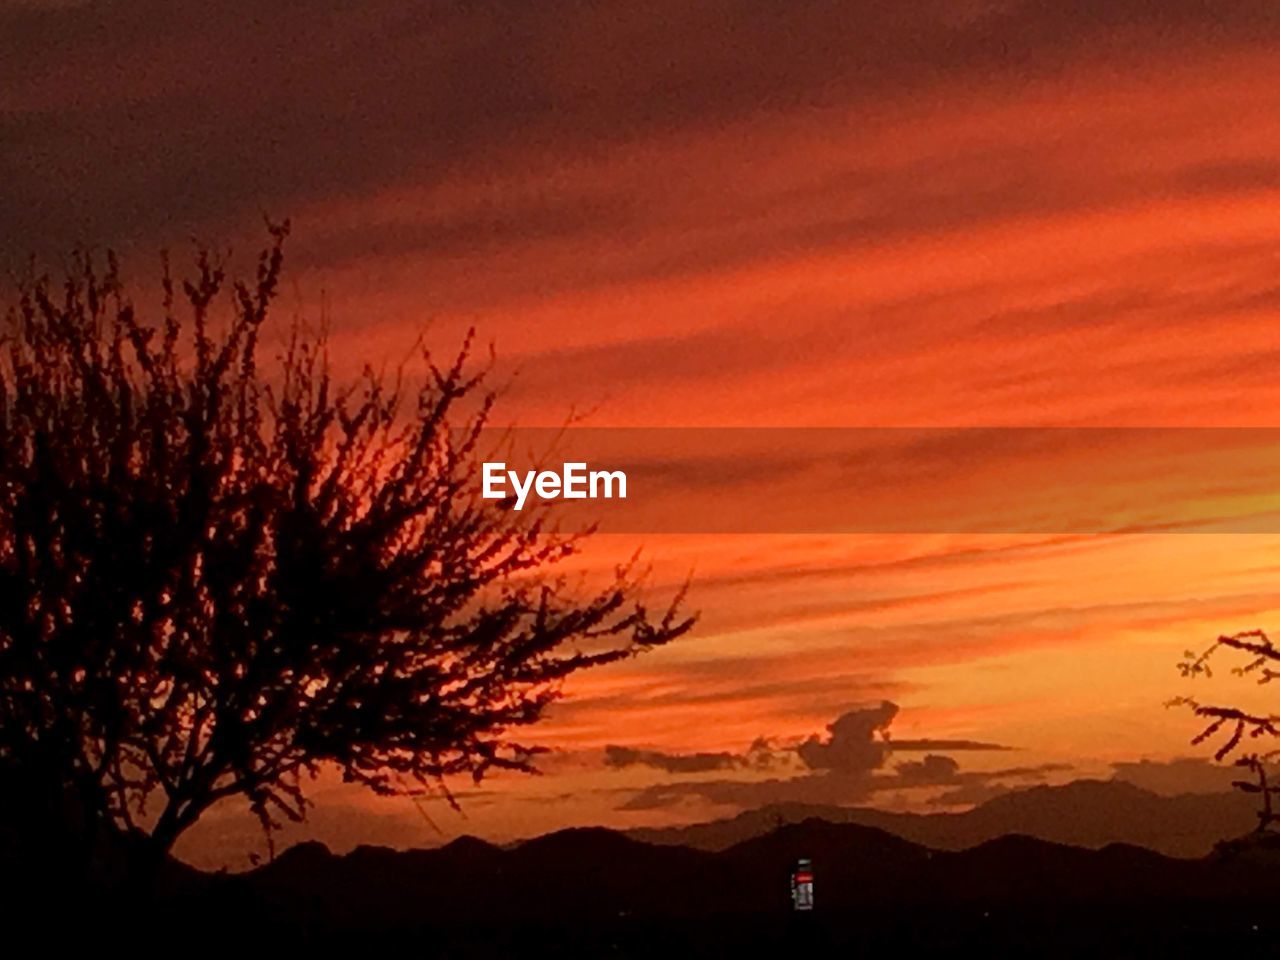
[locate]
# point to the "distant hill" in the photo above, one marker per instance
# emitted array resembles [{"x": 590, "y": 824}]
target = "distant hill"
[
  {"x": 592, "y": 892},
  {"x": 598, "y": 871},
  {"x": 595, "y": 892},
  {"x": 1084, "y": 813}
]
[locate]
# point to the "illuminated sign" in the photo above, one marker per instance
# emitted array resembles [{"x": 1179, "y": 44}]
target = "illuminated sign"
[{"x": 802, "y": 885}]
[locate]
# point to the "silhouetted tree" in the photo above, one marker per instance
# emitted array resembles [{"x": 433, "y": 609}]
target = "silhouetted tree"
[
  {"x": 214, "y": 579},
  {"x": 1233, "y": 724}
]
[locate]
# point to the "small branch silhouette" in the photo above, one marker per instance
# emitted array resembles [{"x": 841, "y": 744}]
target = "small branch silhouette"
[{"x": 1235, "y": 725}]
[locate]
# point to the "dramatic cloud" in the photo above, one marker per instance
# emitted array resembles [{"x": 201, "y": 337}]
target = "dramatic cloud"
[
  {"x": 845, "y": 766},
  {"x": 858, "y": 742}
]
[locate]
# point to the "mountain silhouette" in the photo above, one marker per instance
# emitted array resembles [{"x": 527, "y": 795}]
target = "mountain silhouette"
[
  {"x": 598, "y": 892},
  {"x": 599, "y": 871},
  {"x": 1085, "y": 813}
]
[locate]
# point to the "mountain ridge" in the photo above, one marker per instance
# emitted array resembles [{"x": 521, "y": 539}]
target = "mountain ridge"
[
  {"x": 1085, "y": 813},
  {"x": 594, "y": 892}
]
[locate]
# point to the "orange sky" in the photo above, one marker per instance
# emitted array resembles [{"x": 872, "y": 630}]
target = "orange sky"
[{"x": 951, "y": 214}]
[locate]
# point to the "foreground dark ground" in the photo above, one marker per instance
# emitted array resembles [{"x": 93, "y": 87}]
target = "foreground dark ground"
[
  {"x": 1081, "y": 929},
  {"x": 597, "y": 893}
]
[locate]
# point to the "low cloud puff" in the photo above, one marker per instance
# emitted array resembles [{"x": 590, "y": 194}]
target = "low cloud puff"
[{"x": 844, "y": 766}]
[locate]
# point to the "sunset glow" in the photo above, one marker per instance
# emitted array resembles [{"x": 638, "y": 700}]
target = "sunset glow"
[{"x": 926, "y": 215}]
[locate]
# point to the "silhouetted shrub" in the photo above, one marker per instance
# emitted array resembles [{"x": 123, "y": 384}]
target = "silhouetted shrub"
[{"x": 215, "y": 579}]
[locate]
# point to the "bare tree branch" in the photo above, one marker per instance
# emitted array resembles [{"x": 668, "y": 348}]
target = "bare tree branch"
[
  {"x": 215, "y": 581},
  {"x": 1235, "y": 723}
]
